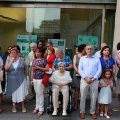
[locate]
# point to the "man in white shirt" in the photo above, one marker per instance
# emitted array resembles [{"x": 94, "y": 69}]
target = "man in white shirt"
[
  {"x": 33, "y": 47},
  {"x": 90, "y": 70},
  {"x": 98, "y": 52}
]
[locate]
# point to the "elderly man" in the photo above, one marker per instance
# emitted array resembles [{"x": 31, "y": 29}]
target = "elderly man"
[
  {"x": 90, "y": 70},
  {"x": 98, "y": 52},
  {"x": 33, "y": 47}
]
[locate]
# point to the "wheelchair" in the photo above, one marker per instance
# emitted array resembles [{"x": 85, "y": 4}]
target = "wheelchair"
[{"x": 49, "y": 108}]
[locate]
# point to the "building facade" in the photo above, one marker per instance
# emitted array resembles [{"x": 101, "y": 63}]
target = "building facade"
[{"x": 75, "y": 21}]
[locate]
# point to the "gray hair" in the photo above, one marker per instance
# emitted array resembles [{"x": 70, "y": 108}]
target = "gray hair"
[
  {"x": 59, "y": 51},
  {"x": 33, "y": 44},
  {"x": 90, "y": 46},
  {"x": 63, "y": 63}
]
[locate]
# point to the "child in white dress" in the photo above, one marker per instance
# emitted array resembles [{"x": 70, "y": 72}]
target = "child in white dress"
[{"x": 105, "y": 95}]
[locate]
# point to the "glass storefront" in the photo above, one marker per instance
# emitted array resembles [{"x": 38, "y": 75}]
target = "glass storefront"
[{"x": 68, "y": 24}]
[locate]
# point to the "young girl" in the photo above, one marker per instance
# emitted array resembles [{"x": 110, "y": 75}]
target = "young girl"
[{"x": 105, "y": 96}]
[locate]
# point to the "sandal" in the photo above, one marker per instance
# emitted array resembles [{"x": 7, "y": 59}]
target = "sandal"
[
  {"x": 40, "y": 113},
  {"x": 34, "y": 111}
]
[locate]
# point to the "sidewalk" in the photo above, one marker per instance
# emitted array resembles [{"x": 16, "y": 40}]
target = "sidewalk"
[{"x": 8, "y": 115}]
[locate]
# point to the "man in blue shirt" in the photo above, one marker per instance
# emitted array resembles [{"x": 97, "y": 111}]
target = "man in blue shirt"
[{"x": 90, "y": 70}]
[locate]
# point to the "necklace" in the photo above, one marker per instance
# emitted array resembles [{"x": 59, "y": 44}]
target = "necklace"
[{"x": 107, "y": 63}]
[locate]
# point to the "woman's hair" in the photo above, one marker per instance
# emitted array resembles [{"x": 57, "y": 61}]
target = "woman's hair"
[
  {"x": 107, "y": 70},
  {"x": 105, "y": 47},
  {"x": 61, "y": 63},
  {"x": 17, "y": 46},
  {"x": 118, "y": 46},
  {"x": 52, "y": 50},
  {"x": 14, "y": 48},
  {"x": 41, "y": 51},
  {"x": 81, "y": 47}
]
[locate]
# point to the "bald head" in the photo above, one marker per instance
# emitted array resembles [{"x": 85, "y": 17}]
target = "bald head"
[{"x": 103, "y": 45}]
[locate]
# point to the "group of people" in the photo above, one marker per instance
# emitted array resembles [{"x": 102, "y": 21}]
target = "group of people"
[{"x": 94, "y": 72}]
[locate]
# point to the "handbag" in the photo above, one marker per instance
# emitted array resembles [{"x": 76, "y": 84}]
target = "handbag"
[
  {"x": 49, "y": 71},
  {"x": 118, "y": 74},
  {"x": 1, "y": 75},
  {"x": 45, "y": 79}
]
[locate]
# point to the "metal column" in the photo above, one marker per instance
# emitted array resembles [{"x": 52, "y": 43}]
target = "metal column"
[{"x": 103, "y": 25}]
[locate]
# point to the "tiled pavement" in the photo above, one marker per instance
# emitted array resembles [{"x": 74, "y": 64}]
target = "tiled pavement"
[{"x": 8, "y": 115}]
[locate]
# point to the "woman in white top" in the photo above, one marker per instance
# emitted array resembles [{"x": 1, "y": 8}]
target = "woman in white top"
[
  {"x": 16, "y": 82},
  {"x": 1, "y": 67},
  {"x": 60, "y": 80}
]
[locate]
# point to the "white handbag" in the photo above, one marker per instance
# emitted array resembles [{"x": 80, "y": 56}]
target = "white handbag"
[{"x": 49, "y": 71}]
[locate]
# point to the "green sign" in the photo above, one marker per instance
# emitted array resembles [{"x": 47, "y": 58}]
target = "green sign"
[{"x": 92, "y": 40}]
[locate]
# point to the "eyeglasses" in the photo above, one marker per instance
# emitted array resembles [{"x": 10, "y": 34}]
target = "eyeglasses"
[{"x": 89, "y": 48}]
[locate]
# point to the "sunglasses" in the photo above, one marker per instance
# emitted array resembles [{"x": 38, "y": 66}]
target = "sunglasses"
[{"x": 9, "y": 48}]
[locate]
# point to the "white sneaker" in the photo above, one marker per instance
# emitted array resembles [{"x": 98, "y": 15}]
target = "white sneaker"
[
  {"x": 64, "y": 113},
  {"x": 24, "y": 110},
  {"x": 101, "y": 114},
  {"x": 54, "y": 113},
  {"x": 14, "y": 110},
  {"x": 108, "y": 117}
]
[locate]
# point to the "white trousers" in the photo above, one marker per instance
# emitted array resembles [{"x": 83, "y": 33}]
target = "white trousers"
[
  {"x": 65, "y": 93},
  {"x": 84, "y": 87},
  {"x": 39, "y": 89}
]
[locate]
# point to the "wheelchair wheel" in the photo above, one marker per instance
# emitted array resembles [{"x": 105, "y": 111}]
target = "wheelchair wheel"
[
  {"x": 69, "y": 110},
  {"x": 49, "y": 108}
]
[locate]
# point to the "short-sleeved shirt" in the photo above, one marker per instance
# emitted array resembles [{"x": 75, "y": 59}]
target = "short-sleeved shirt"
[
  {"x": 60, "y": 79},
  {"x": 38, "y": 74},
  {"x": 67, "y": 60},
  {"x": 107, "y": 63}
]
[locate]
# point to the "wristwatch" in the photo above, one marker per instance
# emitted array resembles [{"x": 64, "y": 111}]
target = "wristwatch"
[{"x": 93, "y": 79}]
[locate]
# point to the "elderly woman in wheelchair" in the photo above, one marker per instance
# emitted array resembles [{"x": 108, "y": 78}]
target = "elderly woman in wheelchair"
[{"x": 60, "y": 80}]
